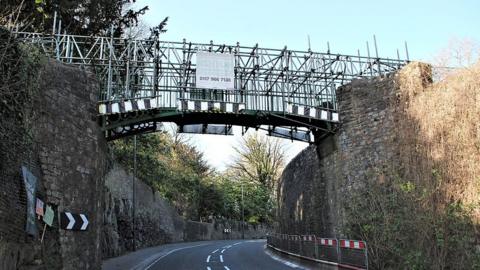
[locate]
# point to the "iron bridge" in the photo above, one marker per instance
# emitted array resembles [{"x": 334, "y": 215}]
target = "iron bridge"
[{"x": 144, "y": 82}]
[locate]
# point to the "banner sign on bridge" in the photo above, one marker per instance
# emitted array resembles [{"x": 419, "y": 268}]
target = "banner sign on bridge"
[{"x": 215, "y": 70}]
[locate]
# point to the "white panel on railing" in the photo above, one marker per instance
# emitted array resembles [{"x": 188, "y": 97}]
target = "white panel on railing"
[
  {"x": 191, "y": 105},
  {"x": 141, "y": 104},
  {"x": 324, "y": 115},
  {"x": 128, "y": 105},
  {"x": 153, "y": 103},
  {"x": 335, "y": 117},
  {"x": 204, "y": 106},
  {"x": 115, "y": 108},
  {"x": 301, "y": 110},
  {"x": 229, "y": 107},
  {"x": 289, "y": 108},
  {"x": 102, "y": 109}
]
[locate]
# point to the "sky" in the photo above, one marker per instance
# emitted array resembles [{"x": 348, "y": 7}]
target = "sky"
[{"x": 426, "y": 26}]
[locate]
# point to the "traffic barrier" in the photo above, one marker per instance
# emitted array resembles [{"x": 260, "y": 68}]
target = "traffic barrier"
[
  {"x": 351, "y": 254},
  {"x": 308, "y": 247},
  {"x": 327, "y": 249}
]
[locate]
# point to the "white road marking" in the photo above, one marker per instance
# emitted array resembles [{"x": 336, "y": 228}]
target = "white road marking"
[
  {"x": 256, "y": 241},
  {"x": 208, "y": 268},
  {"x": 237, "y": 243},
  {"x": 227, "y": 246},
  {"x": 221, "y": 258},
  {"x": 208, "y": 258},
  {"x": 168, "y": 253},
  {"x": 226, "y": 268},
  {"x": 223, "y": 250},
  {"x": 285, "y": 262},
  {"x": 215, "y": 251}
]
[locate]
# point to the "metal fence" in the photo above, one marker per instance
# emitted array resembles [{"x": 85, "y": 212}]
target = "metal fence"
[
  {"x": 265, "y": 79},
  {"x": 337, "y": 251}
]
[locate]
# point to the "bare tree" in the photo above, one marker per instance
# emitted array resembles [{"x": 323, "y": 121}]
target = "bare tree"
[
  {"x": 259, "y": 159},
  {"x": 459, "y": 53}
]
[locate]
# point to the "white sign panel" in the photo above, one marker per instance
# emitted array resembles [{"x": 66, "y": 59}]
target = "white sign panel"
[{"x": 215, "y": 70}]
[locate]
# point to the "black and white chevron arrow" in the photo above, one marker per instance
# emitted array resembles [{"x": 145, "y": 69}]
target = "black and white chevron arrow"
[{"x": 76, "y": 222}]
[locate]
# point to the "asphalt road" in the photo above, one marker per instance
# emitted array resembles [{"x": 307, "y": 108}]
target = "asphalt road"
[{"x": 211, "y": 255}]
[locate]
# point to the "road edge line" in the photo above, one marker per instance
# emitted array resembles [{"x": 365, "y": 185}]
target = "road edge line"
[{"x": 344, "y": 266}]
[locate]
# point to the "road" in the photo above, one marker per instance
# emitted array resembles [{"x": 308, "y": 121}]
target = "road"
[{"x": 210, "y": 255}]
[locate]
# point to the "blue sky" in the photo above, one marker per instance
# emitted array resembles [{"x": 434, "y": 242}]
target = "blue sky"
[{"x": 427, "y": 26}]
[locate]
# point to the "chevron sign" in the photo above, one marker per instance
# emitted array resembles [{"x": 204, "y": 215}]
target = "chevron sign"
[{"x": 75, "y": 222}]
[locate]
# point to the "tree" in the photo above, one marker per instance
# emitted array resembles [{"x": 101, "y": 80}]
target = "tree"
[
  {"x": 260, "y": 160},
  {"x": 82, "y": 17},
  {"x": 256, "y": 169},
  {"x": 459, "y": 53},
  {"x": 174, "y": 168}
]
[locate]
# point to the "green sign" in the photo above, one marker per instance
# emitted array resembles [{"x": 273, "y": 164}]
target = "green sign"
[{"x": 48, "y": 217}]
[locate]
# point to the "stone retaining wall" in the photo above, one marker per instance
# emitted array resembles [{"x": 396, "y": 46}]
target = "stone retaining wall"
[
  {"x": 316, "y": 184},
  {"x": 66, "y": 154}
]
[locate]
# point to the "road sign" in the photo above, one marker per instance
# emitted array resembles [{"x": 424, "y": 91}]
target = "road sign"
[
  {"x": 39, "y": 208},
  {"x": 71, "y": 221},
  {"x": 48, "y": 217},
  {"x": 215, "y": 70}
]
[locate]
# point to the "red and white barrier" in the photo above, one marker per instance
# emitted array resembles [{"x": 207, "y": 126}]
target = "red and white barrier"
[
  {"x": 352, "y": 244},
  {"x": 310, "y": 238},
  {"x": 327, "y": 242}
]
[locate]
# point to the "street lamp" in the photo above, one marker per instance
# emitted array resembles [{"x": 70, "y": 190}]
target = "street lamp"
[
  {"x": 133, "y": 188},
  {"x": 243, "y": 215}
]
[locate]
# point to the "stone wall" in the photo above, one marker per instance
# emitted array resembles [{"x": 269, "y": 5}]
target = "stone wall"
[
  {"x": 66, "y": 154},
  {"x": 197, "y": 231},
  {"x": 316, "y": 184},
  {"x": 156, "y": 221},
  {"x": 72, "y": 156}
]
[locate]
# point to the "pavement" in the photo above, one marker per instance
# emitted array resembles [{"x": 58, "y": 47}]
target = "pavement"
[{"x": 206, "y": 255}]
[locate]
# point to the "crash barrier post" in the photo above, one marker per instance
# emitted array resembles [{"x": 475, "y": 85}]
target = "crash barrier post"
[
  {"x": 327, "y": 249},
  {"x": 308, "y": 248},
  {"x": 340, "y": 252},
  {"x": 354, "y": 253}
]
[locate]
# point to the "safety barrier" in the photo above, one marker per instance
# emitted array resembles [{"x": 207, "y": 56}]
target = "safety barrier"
[{"x": 351, "y": 254}]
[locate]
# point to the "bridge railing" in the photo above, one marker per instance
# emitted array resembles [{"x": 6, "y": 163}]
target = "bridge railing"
[
  {"x": 341, "y": 252},
  {"x": 265, "y": 79}
]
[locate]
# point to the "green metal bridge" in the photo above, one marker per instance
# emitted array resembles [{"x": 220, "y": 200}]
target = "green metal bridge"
[{"x": 208, "y": 88}]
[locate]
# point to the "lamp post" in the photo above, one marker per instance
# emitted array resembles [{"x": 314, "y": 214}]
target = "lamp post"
[
  {"x": 243, "y": 215},
  {"x": 133, "y": 188}
]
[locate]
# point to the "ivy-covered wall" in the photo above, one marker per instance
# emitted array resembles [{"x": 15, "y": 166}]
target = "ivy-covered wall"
[{"x": 48, "y": 124}]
